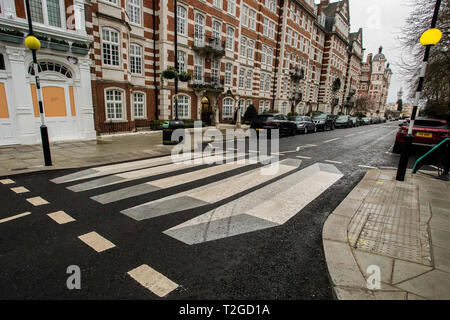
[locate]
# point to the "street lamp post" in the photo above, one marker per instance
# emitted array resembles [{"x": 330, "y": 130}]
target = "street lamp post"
[
  {"x": 33, "y": 44},
  {"x": 428, "y": 39}
]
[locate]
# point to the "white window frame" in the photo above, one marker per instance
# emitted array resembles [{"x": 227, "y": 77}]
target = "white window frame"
[
  {"x": 181, "y": 17},
  {"x": 228, "y": 74},
  {"x": 249, "y": 80},
  {"x": 217, "y": 4},
  {"x": 244, "y": 16},
  {"x": 243, "y": 47},
  {"x": 261, "y": 82},
  {"x": 136, "y": 57},
  {"x": 135, "y": 6},
  {"x": 251, "y": 50},
  {"x": 269, "y": 57},
  {"x": 266, "y": 27},
  {"x": 272, "y": 30},
  {"x": 263, "y": 55},
  {"x": 122, "y": 101},
  {"x": 227, "y": 107},
  {"x": 198, "y": 69},
  {"x": 241, "y": 80},
  {"x": 141, "y": 103},
  {"x": 230, "y": 39},
  {"x": 181, "y": 61},
  {"x": 184, "y": 108},
  {"x": 62, "y": 14},
  {"x": 252, "y": 19},
  {"x": 231, "y": 7},
  {"x": 111, "y": 44}
]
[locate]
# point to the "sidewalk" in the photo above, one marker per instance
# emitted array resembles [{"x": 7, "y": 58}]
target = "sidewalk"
[{"x": 401, "y": 227}]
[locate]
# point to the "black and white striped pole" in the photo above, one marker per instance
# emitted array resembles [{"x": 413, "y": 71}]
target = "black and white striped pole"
[
  {"x": 428, "y": 39},
  {"x": 34, "y": 44}
]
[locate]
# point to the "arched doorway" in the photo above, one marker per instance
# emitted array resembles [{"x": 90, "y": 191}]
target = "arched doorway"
[{"x": 207, "y": 112}]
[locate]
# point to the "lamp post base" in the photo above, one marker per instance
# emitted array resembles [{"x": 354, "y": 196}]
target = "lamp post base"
[
  {"x": 403, "y": 163},
  {"x": 46, "y": 146}
]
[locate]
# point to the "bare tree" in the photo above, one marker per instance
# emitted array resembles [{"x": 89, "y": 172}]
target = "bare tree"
[
  {"x": 436, "y": 89},
  {"x": 363, "y": 104}
]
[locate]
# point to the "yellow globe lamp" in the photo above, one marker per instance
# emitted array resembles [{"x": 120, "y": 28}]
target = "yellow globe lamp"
[
  {"x": 431, "y": 37},
  {"x": 32, "y": 43}
]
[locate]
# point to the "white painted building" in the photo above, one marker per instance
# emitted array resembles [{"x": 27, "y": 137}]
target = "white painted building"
[{"x": 64, "y": 73}]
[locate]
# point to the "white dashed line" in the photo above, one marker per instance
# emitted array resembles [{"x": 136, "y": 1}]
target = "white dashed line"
[
  {"x": 350, "y": 135},
  {"x": 20, "y": 190},
  {"x": 153, "y": 280},
  {"x": 15, "y": 217},
  {"x": 434, "y": 167},
  {"x": 298, "y": 149},
  {"x": 331, "y": 140},
  {"x": 61, "y": 217},
  {"x": 303, "y": 157},
  {"x": 96, "y": 241},
  {"x": 7, "y": 181},
  {"x": 37, "y": 201},
  {"x": 367, "y": 167},
  {"x": 331, "y": 161}
]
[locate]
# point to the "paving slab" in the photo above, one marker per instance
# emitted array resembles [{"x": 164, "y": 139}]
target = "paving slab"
[
  {"x": 365, "y": 259},
  {"x": 432, "y": 285},
  {"x": 440, "y": 238},
  {"x": 404, "y": 270},
  {"x": 441, "y": 257}
]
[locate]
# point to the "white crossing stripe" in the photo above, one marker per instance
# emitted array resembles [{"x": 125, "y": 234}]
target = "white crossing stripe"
[
  {"x": 14, "y": 217},
  {"x": 96, "y": 241},
  {"x": 7, "y": 181},
  {"x": 298, "y": 149},
  {"x": 20, "y": 190},
  {"x": 331, "y": 161},
  {"x": 168, "y": 182},
  {"x": 153, "y": 280},
  {"x": 213, "y": 192},
  {"x": 142, "y": 173},
  {"x": 267, "y": 207},
  {"x": 37, "y": 201},
  {"x": 61, "y": 217},
  {"x": 331, "y": 140}
]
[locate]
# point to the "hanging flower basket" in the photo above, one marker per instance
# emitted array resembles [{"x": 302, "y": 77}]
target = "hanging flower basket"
[
  {"x": 59, "y": 45},
  {"x": 13, "y": 36},
  {"x": 184, "y": 77},
  {"x": 169, "y": 74},
  {"x": 79, "y": 48}
]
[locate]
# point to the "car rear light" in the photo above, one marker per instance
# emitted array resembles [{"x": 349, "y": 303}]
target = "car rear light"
[
  {"x": 300, "y": 122},
  {"x": 271, "y": 123}
]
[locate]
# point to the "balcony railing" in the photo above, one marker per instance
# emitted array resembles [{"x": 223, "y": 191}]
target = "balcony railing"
[
  {"x": 209, "y": 83},
  {"x": 210, "y": 47}
]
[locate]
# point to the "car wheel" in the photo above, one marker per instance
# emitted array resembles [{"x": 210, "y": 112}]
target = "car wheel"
[
  {"x": 397, "y": 148},
  {"x": 306, "y": 130},
  {"x": 294, "y": 132},
  {"x": 315, "y": 129}
]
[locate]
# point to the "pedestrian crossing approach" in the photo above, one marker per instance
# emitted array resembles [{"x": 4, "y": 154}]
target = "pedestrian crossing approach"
[{"x": 263, "y": 196}]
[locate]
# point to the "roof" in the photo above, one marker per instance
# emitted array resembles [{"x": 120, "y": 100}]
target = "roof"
[{"x": 379, "y": 55}]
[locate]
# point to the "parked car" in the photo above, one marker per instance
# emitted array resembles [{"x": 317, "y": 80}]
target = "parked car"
[
  {"x": 382, "y": 119},
  {"x": 375, "y": 120},
  {"x": 304, "y": 124},
  {"x": 428, "y": 132},
  {"x": 344, "y": 122},
  {"x": 324, "y": 121},
  {"x": 356, "y": 121},
  {"x": 274, "y": 121},
  {"x": 366, "y": 121},
  {"x": 394, "y": 119}
]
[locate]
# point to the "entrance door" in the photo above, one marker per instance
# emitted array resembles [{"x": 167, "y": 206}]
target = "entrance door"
[
  {"x": 7, "y": 124},
  {"x": 59, "y": 109},
  {"x": 207, "y": 112}
]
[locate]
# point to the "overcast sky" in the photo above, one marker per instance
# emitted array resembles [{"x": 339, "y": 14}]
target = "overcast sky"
[{"x": 381, "y": 21}]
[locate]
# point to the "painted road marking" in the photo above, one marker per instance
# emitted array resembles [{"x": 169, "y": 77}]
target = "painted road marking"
[
  {"x": 211, "y": 193},
  {"x": 270, "y": 206},
  {"x": 331, "y": 161},
  {"x": 7, "y": 181},
  {"x": 96, "y": 241},
  {"x": 14, "y": 217},
  {"x": 37, "y": 201},
  {"x": 142, "y": 173},
  {"x": 284, "y": 152},
  {"x": 304, "y": 157},
  {"x": 120, "y": 167},
  {"x": 328, "y": 141},
  {"x": 61, "y": 217},
  {"x": 153, "y": 280},
  {"x": 168, "y": 182},
  {"x": 20, "y": 190},
  {"x": 298, "y": 149},
  {"x": 350, "y": 135},
  {"x": 388, "y": 168},
  {"x": 367, "y": 167}
]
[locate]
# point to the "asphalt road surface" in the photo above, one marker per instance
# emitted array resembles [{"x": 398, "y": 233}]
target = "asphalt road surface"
[{"x": 225, "y": 232}]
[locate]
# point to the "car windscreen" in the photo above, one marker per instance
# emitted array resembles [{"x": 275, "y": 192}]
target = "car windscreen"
[
  {"x": 342, "y": 118},
  {"x": 320, "y": 116},
  {"x": 296, "y": 118},
  {"x": 435, "y": 124},
  {"x": 264, "y": 118}
]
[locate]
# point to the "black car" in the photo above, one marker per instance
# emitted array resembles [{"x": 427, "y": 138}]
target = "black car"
[
  {"x": 304, "y": 124},
  {"x": 268, "y": 122},
  {"x": 324, "y": 121},
  {"x": 356, "y": 121},
  {"x": 344, "y": 122}
]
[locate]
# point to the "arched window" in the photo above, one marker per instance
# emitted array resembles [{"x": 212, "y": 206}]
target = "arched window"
[
  {"x": 184, "y": 106},
  {"x": 115, "y": 103},
  {"x": 181, "y": 17},
  {"x": 50, "y": 66},
  {"x": 135, "y": 58},
  {"x": 139, "y": 105},
  {"x": 110, "y": 47},
  {"x": 217, "y": 32},
  {"x": 227, "y": 108}
]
